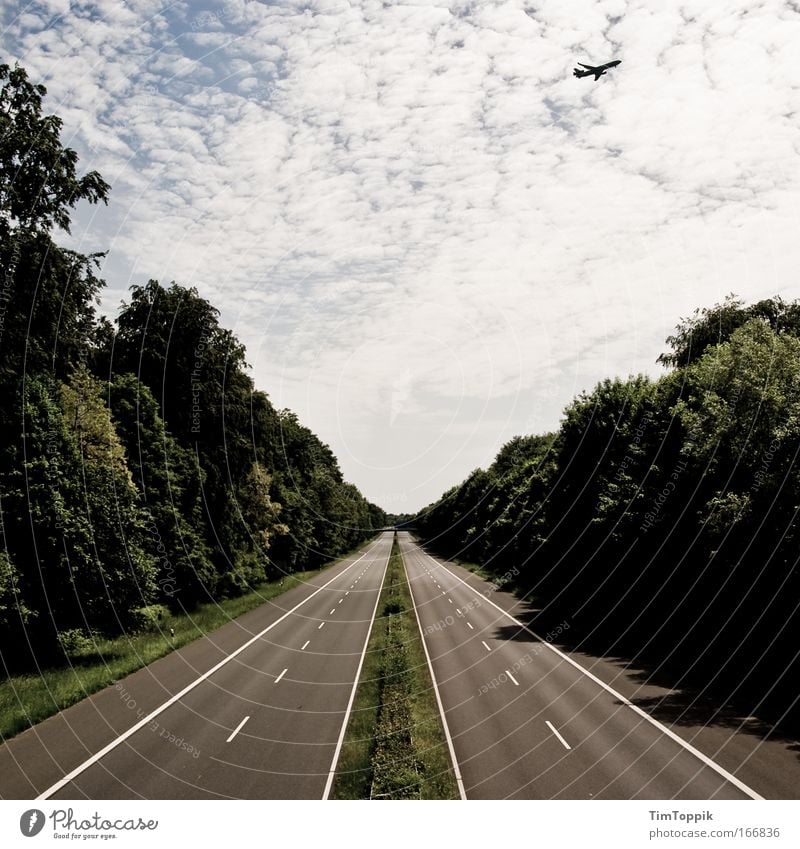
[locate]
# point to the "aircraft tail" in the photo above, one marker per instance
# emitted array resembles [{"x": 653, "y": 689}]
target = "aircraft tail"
[{"x": 576, "y": 72}]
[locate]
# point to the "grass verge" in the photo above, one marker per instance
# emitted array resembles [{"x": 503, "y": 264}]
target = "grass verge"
[
  {"x": 28, "y": 699},
  {"x": 395, "y": 746}
]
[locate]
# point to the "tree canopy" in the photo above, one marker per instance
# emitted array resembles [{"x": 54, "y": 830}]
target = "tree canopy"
[
  {"x": 139, "y": 464},
  {"x": 661, "y": 518}
]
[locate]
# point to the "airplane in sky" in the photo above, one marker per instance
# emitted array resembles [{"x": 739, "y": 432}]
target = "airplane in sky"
[{"x": 598, "y": 70}]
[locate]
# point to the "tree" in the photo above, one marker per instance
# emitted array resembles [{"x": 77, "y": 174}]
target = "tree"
[
  {"x": 14, "y": 613},
  {"x": 116, "y": 576},
  {"x": 169, "y": 480},
  {"x": 38, "y": 181},
  {"x": 713, "y": 325}
]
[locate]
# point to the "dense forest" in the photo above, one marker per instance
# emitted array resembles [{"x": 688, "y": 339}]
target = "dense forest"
[
  {"x": 661, "y": 518},
  {"x": 140, "y": 469}
]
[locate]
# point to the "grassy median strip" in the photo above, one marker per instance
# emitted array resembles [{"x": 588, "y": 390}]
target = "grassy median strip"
[
  {"x": 28, "y": 699},
  {"x": 395, "y": 746}
]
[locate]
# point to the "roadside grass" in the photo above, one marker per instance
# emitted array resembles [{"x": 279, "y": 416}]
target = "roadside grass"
[
  {"x": 28, "y": 699},
  {"x": 395, "y": 747}
]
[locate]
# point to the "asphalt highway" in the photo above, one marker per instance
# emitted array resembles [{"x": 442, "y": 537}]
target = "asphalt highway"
[
  {"x": 258, "y": 712},
  {"x": 258, "y": 709},
  {"x": 528, "y": 722}
]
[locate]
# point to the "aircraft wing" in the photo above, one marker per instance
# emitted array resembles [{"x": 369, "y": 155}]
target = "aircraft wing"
[{"x": 589, "y": 67}]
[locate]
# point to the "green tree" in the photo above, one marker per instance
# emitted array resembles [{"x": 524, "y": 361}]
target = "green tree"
[
  {"x": 38, "y": 181},
  {"x": 170, "y": 482},
  {"x": 712, "y": 325},
  {"x": 116, "y": 575}
]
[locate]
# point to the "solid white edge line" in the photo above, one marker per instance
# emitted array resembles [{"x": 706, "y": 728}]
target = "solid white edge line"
[
  {"x": 332, "y": 771},
  {"x": 456, "y": 769},
  {"x": 282, "y": 674},
  {"x": 654, "y": 722},
  {"x": 556, "y": 732},
  {"x": 237, "y": 729},
  {"x": 171, "y": 701}
]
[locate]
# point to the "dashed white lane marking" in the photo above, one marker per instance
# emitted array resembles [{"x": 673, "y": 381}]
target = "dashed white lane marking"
[
  {"x": 348, "y": 592},
  {"x": 320, "y": 625},
  {"x": 516, "y": 683},
  {"x": 627, "y": 702},
  {"x": 486, "y": 645},
  {"x": 340, "y": 601},
  {"x": 148, "y": 718},
  {"x": 303, "y": 648},
  {"x": 443, "y": 592},
  {"x": 237, "y": 729},
  {"x": 469, "y": 625},
  {"x": 555, "y": 731},
  {"x": 450, "y": 600},
  {"x": 332, "y": 611},
  {"x": 281, "y": 675}
]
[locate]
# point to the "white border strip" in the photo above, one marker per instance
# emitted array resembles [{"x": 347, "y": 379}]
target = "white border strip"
[
  {"x": 332, "y": 771},
  {"x": 151, "y": 716},
  {"x": 456, "y": 769},
  {"x": 663, "y": 728}
]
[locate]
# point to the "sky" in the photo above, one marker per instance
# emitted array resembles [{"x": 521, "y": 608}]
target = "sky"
[{"x": 430, "y": 235}]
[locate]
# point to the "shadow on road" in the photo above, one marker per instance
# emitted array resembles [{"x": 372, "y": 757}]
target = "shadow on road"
[{"x": 670, "y": 694}]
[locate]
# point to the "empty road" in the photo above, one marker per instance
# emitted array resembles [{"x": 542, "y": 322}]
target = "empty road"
[
  {"x": 253, "y": 711},
  {"x": 527, "y": 722}
]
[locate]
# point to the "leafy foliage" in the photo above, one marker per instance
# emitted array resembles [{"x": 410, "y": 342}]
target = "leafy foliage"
[
  {"x": 38, "y": 182},
  {"x": 140, "y": 469},
  {"x": 661, "y": 519}
]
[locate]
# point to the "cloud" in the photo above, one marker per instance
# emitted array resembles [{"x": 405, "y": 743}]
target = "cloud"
[{"x": 428, "y": 233}]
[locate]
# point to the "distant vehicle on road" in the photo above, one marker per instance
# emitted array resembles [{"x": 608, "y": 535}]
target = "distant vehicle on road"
[{"x": 597, "y": 70}]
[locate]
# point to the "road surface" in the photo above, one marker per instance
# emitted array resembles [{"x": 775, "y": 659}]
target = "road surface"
[
  {"x": 263, "y": 723},
  {"x": 527, "y": 721}
]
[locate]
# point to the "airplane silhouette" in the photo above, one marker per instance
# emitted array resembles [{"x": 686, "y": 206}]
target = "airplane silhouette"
[{"x": 598, "y": 70}]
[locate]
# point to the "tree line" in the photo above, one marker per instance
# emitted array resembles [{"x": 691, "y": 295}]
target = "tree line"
[
  {"x": 661, "y": 517},
  {"x": 140, "y": 468}
]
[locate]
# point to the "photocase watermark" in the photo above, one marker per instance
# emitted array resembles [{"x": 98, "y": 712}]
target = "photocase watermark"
[
  {"x": 502, "y": 580},
  {"x": 166, "y": 580},
  {"x": 197, "y": 373},
  {"x": 209, "y": 18},
  {"x": 66, "y": 825},
  {"x": 652, "y": 515},
  {"x": 32, "y": 822},
  {"x": 766, "y": 463},
  {"x": 8, "y": 282},
  {"x": 638, "y": 435},
  {"x": 441, "y": 151},
  {"x": 523, "y": 661},
  {"x": 391, "y": 498},
  {"x": 155, "y": 726},
  {"x": 474, "y": 603}
]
